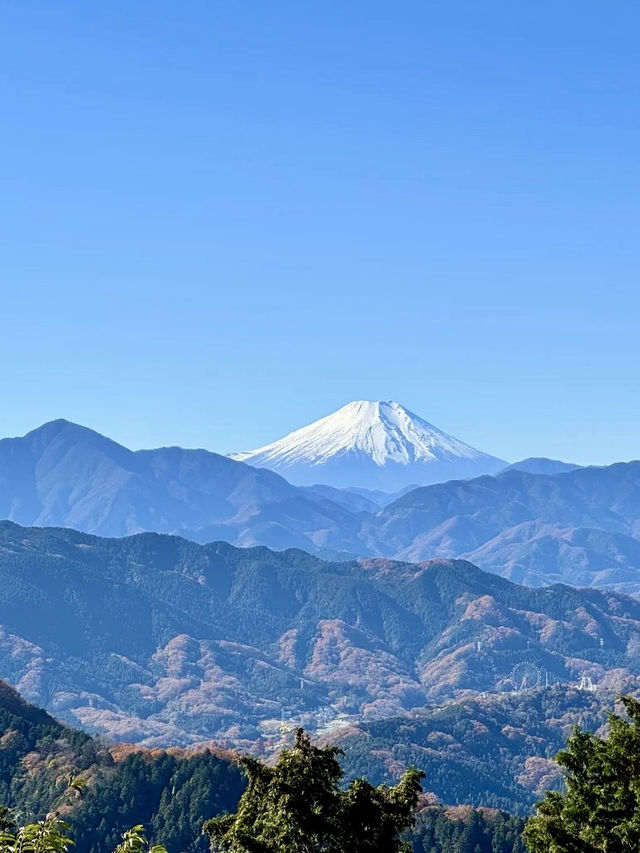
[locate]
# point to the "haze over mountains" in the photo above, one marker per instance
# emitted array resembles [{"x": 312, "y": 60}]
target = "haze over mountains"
[
  {"x": 155, "y": 639},
  {"x": 372, "y": 445},
  {"x": 62, "y": 474},
  {"x": 541, "y": 465},
  {"x": 160, "y": 640},
  {"x": 581, "y": 526}
]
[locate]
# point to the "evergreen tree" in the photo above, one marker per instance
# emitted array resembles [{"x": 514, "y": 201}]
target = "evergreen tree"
[
  {"x": 298, "y": 807},
  {"x": 7, "y": 822},
  {"x": 600, "y": 809}
]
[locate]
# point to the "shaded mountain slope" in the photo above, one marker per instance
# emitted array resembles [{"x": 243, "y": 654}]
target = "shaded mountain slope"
[
  {"x": 62, "y": 474},
  {"x": 153, "y": 638},
  {"x": 580, "y": 527}
]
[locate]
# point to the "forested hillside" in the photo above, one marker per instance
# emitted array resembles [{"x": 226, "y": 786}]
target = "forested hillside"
[
  {"x": 170, "y": 792},
  {"x": 463, "y": 829},
  {"x": 572, "y": 526},
  {"x": 487, "y": 751},
  {"x": 158, "y": 640}
]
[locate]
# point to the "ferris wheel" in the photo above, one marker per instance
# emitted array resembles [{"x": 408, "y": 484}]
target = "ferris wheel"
[{"x": 525, "y": 675}]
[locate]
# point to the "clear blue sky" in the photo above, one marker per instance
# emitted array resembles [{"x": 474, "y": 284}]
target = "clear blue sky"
[{"x": 220, "y": 220}]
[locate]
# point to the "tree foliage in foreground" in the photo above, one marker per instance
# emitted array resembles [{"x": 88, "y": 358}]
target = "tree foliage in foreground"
[
  {"x": 297, "y": 806},
  {"x": 51, "y": 836},
  {"x": 600, "y": 810}
]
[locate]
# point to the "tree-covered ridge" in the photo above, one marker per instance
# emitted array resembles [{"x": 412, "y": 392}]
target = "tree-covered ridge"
[
  {"x": 463, "y": 829},
  {"x": 38, "y": 755},
  {"x": 170, "y": 792},
  {"x": 158, "y": 640},
  {"x": 298, "y": 806},
  {"x": 487, "y": 751}
]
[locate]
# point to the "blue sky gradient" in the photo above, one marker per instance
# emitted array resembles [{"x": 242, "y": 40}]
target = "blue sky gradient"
[{"x": 222, "y": 220}]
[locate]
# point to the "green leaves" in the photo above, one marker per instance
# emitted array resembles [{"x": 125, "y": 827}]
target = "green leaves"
[
  {"x": 298, "y": 807},
  {"x": 600, "y": 810},
  {"x": 135, "y": 841},
  {"x": 45, "y": 836},
  {"x": 51, "y": 836}
]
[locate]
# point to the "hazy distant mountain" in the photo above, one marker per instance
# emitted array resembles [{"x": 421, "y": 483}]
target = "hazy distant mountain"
[
  {"x": 377, "y": 497},
  {"x": 154, "y": 638},
  {"x": 62, "y": 474},
  {"x": 357, "y": 501},
  {"x": 371, "y": 445},
  {"x": 581, "y": 527},
  {"x": 542, "y": 465}
]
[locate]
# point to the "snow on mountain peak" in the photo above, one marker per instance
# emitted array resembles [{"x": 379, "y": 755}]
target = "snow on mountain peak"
[
  {"x": 385, "y": 432},
  {"x": 355, "y": 444}
]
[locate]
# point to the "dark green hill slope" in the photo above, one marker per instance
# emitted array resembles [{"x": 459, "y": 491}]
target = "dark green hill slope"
[{"x": 172, "y": 793}]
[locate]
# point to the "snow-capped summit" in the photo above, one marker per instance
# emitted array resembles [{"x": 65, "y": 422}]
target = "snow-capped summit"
[{"x": 371, "y": 445}]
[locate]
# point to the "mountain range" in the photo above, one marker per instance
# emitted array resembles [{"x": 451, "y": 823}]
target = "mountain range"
[
  {"x": 63, "y": 474},
  {"x": 372, "y": 445},
  {"x": 158, "y": 640},
  {"x": 580, "y": 526},
  {"x": 390, "y": 638}
]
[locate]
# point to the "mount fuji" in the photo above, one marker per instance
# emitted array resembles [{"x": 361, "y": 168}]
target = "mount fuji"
[{"x": 371, "y": 445}]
